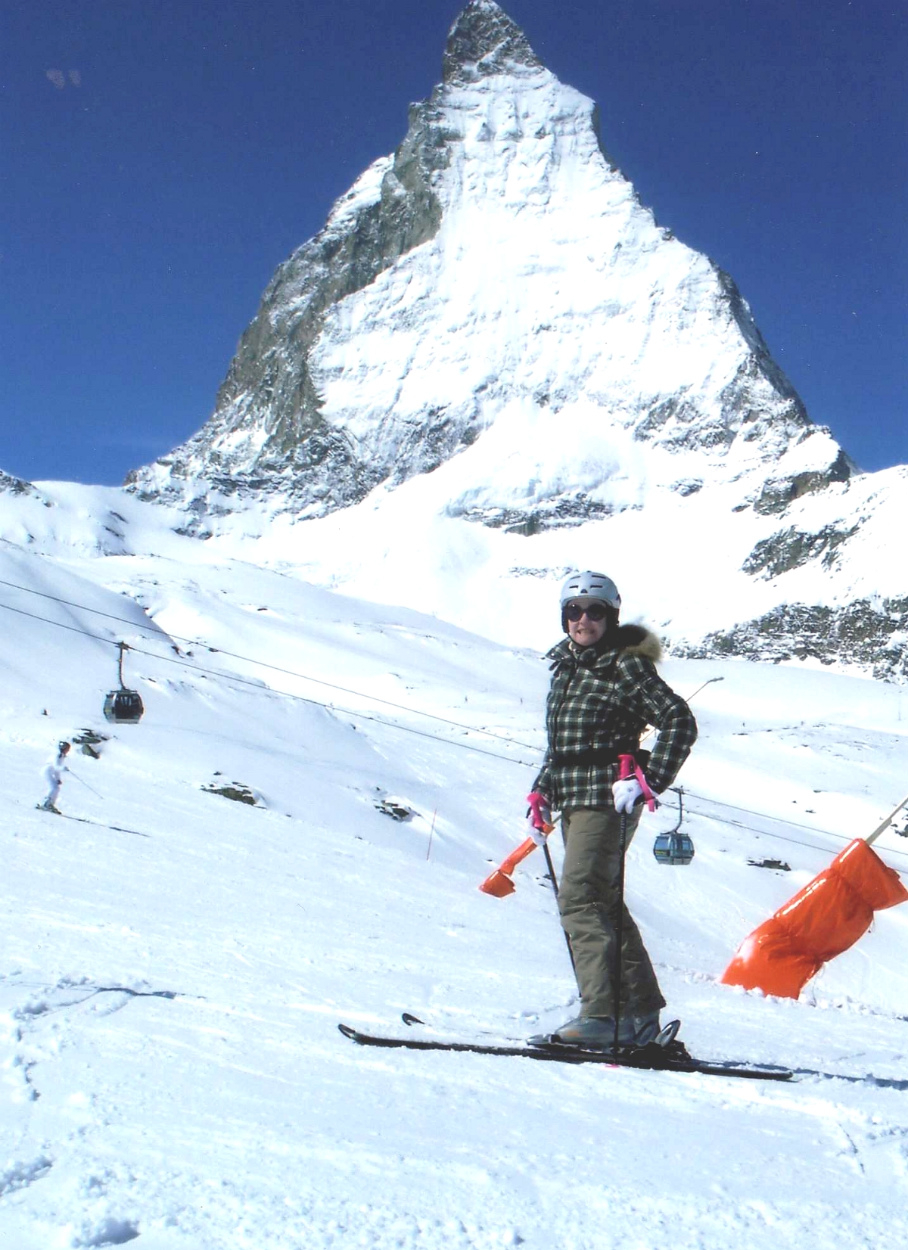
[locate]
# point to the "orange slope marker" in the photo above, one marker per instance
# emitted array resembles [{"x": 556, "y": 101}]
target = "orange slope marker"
[
  {"x": 821, "y": 921},
  {"x": 499, "y": 882}
]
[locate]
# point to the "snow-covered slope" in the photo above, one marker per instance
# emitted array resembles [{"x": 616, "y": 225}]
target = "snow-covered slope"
[
  {"x": 716, "y": 579},
  {"x": 172, "y": 968},
  {"x": 823, "y": 583}
]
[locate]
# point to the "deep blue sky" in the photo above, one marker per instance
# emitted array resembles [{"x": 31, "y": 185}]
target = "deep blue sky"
[{"x": 183, "y": 148}]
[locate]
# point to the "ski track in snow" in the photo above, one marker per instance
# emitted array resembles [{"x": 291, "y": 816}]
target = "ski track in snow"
[{"x": 170, "y": 1068}]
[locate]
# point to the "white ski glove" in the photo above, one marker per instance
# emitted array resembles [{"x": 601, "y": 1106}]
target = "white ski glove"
[{"x": 627, "y": 794}]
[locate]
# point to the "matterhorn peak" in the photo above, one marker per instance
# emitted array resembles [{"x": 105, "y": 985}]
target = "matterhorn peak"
[
  {"x": 493, "y": 337},
  {"x": 485, "y": 41}
]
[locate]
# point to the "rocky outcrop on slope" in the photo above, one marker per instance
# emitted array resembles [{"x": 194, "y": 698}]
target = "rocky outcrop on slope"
[
  {"x": 15, "y": 485},
  {"x": 870, "y": 635},
  {"x": 792, "y": 549}
]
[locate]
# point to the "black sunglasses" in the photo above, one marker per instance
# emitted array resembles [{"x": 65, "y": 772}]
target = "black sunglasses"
[{"x": 594, "y": 611}]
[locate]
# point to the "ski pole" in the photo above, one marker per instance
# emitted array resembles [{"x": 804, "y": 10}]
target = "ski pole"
[
  {"x": 554, "y": 881},
  {"x": 84, "y": 783},
  {"x": 619, "y": 926},
  {"x": 627, "y": 767}
]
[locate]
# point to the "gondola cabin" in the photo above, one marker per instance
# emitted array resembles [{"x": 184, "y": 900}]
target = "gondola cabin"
[
  {"x": 123, "y": 706},
  {"x": 673, "y": 848}
]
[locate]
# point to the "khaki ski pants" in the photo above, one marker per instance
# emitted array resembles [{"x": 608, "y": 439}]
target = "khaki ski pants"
[{"x": 588, "y": 902}]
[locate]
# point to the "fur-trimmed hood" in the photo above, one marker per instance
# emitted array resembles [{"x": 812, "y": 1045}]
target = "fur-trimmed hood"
[
  {"x": 626, "y": 639},
  {"x": 638, "y": 640}
]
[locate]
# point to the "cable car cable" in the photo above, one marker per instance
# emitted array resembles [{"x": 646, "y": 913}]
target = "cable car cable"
[
  {"x": 794, "y": 824},
  {"x": 260, "y": 688},
  {"x": 244, "y": 681},
  {"x": 779, "y": 837},
  {"x": 287, "y": 672}
]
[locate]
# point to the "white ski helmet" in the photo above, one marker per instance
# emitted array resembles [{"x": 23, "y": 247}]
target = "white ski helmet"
[{"x": 589, "y": 585}]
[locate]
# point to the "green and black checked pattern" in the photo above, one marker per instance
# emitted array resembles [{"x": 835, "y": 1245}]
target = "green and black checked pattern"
[{"x": 604, "y": 700}]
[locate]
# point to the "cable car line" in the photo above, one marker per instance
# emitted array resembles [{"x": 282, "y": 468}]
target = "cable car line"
[
  {"x": 331, "y": 707},
  {"x": 287, "y": 672},
  {"x": 793, "y": 824},
  {"x": 59, "y": 624},
  {"x": 779, "y": 837},
  {"x": 262, "y": 689}
]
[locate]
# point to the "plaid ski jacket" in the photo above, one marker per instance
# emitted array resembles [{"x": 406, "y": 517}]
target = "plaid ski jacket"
[{"x": 599, "y": 704}]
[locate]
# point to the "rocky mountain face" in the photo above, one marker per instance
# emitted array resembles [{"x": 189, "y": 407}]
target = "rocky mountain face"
[
  {"x": 498, "y": 258},
  {"x": 14, "y": 485},
  {"x": 491, "y": 305}
]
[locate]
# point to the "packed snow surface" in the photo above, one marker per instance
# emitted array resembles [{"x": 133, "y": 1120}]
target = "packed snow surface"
[{"x": 174, "y": 962}]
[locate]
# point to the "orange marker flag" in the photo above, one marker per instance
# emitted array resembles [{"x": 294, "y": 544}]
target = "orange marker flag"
[
  {"x": 499, "y": 883},
  {"x": 821, "y": 921}
]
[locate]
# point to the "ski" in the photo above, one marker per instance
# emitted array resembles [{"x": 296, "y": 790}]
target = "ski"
[
  {"x": 665, "y": 1037},
  {"x": 672, "y": 1057},
  {"x": 498, "y": 1038},
  {"x": 99, "y": 824}
]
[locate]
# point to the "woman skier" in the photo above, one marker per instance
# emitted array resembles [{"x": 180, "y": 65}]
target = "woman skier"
[{"x": 604, "y": 692}]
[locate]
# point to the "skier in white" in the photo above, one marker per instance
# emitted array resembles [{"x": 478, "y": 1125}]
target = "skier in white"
[{"x": 53, "y": 772}]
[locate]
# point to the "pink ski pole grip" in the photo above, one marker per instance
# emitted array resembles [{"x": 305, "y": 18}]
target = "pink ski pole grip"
[
  {"x": 540, "y": 815},
  {"x": 627, "y": 768}
]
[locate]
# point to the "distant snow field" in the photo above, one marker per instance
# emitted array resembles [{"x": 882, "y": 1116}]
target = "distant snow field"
[{"x": 174, "y": 962}]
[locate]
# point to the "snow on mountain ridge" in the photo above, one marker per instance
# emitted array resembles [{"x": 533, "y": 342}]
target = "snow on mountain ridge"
[{"x": 499, "y": 257}]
